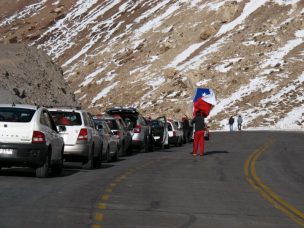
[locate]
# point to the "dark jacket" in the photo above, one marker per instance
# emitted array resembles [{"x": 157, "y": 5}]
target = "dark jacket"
[
  {"x": 186, "y": 125},
  {"x": 231, "y": 120},
  {"x": 199, "y": 122}
]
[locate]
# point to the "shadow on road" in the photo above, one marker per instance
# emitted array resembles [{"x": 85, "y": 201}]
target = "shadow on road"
[
  {"x": 17, "y": 172},
  {"x": 216, "y": 152},
  {"x": 106, "y": 165}
]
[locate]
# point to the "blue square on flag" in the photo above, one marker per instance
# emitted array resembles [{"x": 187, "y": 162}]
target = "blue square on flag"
[{"x": 205, "y": 94}]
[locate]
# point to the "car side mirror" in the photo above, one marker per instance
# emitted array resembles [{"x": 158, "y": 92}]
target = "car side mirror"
[
  {"x": 61, "y": 128},
  {"x": 99, "y": 127}
]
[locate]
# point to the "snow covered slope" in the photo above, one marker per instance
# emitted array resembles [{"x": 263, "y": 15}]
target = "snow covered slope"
[{"x": 151, "y": 54}]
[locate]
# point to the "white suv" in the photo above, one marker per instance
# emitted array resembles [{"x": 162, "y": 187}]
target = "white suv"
[
  {"x": 28, "y": 137},
  {"x": 81, "y": 138}
]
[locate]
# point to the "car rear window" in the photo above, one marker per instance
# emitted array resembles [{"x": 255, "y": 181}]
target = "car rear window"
[
  {"x": 112, "y": 124},
  {"x": 169, "y": 127},
  {"x": 66, "y": 118},
  {"x": 21, "y": 115},
  {"x": 155, "y": 123}
]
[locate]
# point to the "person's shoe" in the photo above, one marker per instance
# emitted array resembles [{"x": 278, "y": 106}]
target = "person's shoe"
[
  {"x": 201, "y": 155},
  {"x": 194, "y": 154}
]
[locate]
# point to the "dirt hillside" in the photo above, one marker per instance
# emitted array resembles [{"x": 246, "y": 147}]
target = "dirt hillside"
[{"x": 29, "y": 76}]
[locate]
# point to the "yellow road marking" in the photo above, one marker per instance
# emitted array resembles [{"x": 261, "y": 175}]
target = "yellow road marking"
[
  {"x": 274, "y": 199},
  {"x": 105, "y": 197},
  {"x": 109, "y": 190},
  {"x": 98, "y": 217},
  {"x": 102, "y": 206},
  {"x": 96, "y": 226},
  {"x": 113, "y": 184}
]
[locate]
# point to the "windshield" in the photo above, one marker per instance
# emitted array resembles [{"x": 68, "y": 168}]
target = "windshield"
[
  {"x": 112, "y": 124},
  {"x": 66, "y": 118},
  {"x": 16, "y": 115}
]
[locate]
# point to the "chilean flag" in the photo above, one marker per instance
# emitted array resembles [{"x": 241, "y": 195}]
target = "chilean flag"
[{"x": 204, "y": 100}]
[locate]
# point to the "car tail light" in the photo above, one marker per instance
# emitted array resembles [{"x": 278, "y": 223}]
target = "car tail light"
[
  {"x": 174, "y": 133},
  {"x": 116, "y": 134},
  {"x": 83, "y": 134},
  {"x": 137, "y": 129},
  {"x": 38, "y": 137}
]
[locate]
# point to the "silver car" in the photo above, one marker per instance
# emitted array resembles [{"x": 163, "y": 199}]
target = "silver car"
[
  {"x": 175, "y": 134},
  {"x": 110, "y": 143},
  {"x": 82, "y": 141},
  {"x": 137, "y": 125}
]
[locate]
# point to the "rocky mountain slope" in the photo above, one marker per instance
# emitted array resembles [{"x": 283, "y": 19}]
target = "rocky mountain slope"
[
  {"x": 29, "y": 76},
  {"x": 152, "y": 54}
]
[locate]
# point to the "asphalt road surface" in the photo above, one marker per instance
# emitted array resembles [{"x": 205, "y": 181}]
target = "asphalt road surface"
[{"x": 245, "y": 179}]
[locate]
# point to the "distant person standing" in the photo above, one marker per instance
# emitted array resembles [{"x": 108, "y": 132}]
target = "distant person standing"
[
  {"x": 186, "y": 128},
  {"x": 240, "y": 122},
  {"x": 199, "y": 126},
  {"x": 231, "y": 122}
]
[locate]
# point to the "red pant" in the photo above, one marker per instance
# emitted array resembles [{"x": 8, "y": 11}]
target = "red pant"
[{"x": 199, "y": 140}]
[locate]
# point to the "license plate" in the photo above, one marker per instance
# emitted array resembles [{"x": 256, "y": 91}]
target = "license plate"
[{"x": 6, "y": 151}]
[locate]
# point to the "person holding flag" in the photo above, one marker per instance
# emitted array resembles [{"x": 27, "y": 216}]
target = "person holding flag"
[{"x": 203, "y": 102}]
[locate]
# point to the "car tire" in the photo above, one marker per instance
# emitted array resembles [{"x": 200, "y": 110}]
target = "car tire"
[
  {"x": 43, "y": 171},
  {"x": 97, "y": 161},
  {"x": 58, "y": 168},
  {"x": 180, "y": 142},
  {"x": 129, "y": 150},
  {"x": 108, "y": 157},
  {"x": 146, "y": 146},
  {"x": 151, "y": 146},
  {"x": 88, "y": 163},
  {"x": 115, "y": 157},
  {"x": 167, "y": 146},
  {"x": 177, "y": 142},
  {"x": 121, "y": 150}
]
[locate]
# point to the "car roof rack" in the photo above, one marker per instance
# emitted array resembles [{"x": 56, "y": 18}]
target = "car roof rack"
[
  {"x": 66, "y": 107},
  {"x": 117, "y": 110}
]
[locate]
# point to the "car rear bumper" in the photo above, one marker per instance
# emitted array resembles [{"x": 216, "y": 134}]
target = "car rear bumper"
[
  {"x": 137, "y": 143},
  {"x": 81, "y": 150},
  {"x": 25, "y": 155},
  {"x": 173, "y": 140}
]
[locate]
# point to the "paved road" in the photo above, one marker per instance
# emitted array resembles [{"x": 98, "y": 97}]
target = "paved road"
[{"x": 235, "y": 184}]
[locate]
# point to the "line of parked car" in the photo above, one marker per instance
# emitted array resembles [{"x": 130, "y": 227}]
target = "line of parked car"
[{"x": 43, "y": 138}]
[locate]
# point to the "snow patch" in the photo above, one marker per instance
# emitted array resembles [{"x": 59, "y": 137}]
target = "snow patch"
[
  {"x": 249, "y": 8},
  {"x": 104, "y": 92}
]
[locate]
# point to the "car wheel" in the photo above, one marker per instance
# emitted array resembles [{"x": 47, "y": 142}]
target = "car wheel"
[
  {"x": 43, "y": 171},
  {"x": 97, "y": 161},
  {"x": 167, "y": 146},
  {"x": 130, "y": 149},
  {"x": 109, "y": 159},
  {"x": 58, "y": 168},
  {"x": 146, "y": 146},
  {"x": 88, "y": 163},
  {"x": 177, "y": 142},
  {"x": 115, "y": 157},
  {"x": 121, "y": 150},
  {"x": 151, "y": 145},
  {"x": 180, "y": 142}
]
